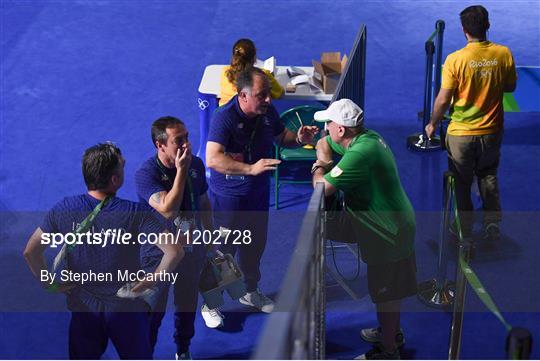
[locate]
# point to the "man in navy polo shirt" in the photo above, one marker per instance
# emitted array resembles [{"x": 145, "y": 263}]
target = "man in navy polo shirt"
[
  {"x": 97, "y": 313},
  {"x": 173, "y": 183},
  {"x": 238, "y": 152}
]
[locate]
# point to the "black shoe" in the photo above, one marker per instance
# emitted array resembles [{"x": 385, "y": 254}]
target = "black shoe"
[
  {"x": 378, "y": 353},
  {"x": 492, "y": 232},
  {"x": 374, "y": 335}
]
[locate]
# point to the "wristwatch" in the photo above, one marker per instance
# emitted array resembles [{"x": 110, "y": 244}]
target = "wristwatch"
[
  {"x": 314, "y": 169},
  {"x": 316, "y": 166}
]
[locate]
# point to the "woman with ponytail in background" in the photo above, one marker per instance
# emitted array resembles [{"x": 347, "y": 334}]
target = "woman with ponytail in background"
[{"x": 244, "y": 55}]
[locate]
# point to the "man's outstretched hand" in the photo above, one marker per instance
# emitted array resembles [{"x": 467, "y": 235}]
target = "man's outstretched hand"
[
  {"x": 264, "y": 165},
  {"x": 307, "y": 133}
]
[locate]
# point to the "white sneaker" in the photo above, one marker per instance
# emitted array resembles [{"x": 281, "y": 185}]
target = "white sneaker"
[
  {"x": 212, "y": 317},
  {"x": 184, "y": 356},
  {"x": 258, "y": 300}
]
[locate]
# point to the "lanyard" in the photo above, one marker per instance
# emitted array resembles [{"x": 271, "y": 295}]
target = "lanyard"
[
  {"x": 191, "y": 194},
  {"x": 189, "y": 184},
  {"x": 247, "y": 148},
  {"x": 87, "y": 222},
  {"x": 82, "y": 228}
]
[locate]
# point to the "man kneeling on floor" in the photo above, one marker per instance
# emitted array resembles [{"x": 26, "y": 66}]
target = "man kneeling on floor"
[{"x": 383, "y": 218}]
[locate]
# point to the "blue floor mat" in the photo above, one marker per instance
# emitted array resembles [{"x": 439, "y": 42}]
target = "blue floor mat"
[{"x": 74, "y": 73}]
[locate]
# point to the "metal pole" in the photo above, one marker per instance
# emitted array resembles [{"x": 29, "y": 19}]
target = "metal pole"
[
  {"x": 439, "y": 25},
  {"x": 439, "y": 291},
  {"x": 430, "y": 49},
  {"x": 419, "y": 141},
  {"x": 363, "y": 41},
  {"x": 443, "y": 232},
  {"x": 320, "y": 286},
  {"x": 459, "y": 303}
]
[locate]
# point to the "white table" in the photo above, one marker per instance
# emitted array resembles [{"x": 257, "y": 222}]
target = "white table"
[{"x": 210, "y": 84}]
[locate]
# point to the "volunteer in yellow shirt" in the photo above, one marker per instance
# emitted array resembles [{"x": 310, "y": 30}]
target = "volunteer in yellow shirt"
[
  {"x": 244, "y": 55},
  {"x": 476, "y": 77}
]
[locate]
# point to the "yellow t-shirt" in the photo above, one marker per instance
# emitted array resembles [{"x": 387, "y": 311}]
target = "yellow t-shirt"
[
  {"x": 478, "y": 74},
  {"x": 228, "y": 89}
]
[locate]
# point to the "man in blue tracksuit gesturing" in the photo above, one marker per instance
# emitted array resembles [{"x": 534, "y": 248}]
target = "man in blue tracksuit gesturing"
[{"x": 238, "y": 152}]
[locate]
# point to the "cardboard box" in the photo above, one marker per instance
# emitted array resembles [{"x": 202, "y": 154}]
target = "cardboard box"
[{"x": 327, "y": 72}]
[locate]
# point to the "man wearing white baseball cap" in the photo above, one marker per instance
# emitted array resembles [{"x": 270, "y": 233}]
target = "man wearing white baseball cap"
[{"x": 383, "y": 217}]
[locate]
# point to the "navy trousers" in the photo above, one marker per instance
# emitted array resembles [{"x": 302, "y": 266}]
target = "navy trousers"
[
  {"x": 244, "y": 213},
  {"x": 186, "y": 293},
  {"x": 89, "y": 333}
]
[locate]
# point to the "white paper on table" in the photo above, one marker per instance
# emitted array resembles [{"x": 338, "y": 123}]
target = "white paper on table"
[
  {"x": 268, "y": 64},
  {"x": 300, "y": 79}
]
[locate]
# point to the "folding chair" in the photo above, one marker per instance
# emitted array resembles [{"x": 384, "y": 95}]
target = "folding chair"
[{"x": 293, "y": 119}]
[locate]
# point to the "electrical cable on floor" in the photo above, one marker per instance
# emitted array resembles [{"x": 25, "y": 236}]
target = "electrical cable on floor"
[{"x": 337, "y": 268}]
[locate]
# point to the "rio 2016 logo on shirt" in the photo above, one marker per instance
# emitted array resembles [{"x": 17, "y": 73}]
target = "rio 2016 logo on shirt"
[
  {"x": 383, "y": 143},
  {"x": 484, "y": 73},
  {"x": 482, "y": 63},
  {"x": 484, "y": 66},
  {"x": 193, "y": 173}
]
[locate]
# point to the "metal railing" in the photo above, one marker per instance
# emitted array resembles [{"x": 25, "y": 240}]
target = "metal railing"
[
  {"x": 440, "y": 292},
  {"x": 296, "y": 328},
  {"x": 432, "y": 85},
  {"x": 352, "y": 82}
]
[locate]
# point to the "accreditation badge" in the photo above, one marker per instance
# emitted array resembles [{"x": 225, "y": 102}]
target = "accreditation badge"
[
  {"x": 239, "y": 157},
  {"x": 185, "y": 226}
]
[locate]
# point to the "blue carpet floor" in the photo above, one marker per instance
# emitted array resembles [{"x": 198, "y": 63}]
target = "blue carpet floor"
[{"x": 78, "y": 72}]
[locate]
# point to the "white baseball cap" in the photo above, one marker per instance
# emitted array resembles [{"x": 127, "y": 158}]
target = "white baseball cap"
[{"x": 344, "y": 112}]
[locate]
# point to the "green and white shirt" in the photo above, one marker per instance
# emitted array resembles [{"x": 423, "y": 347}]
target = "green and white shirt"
[{"x": 368, "y": 176}]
